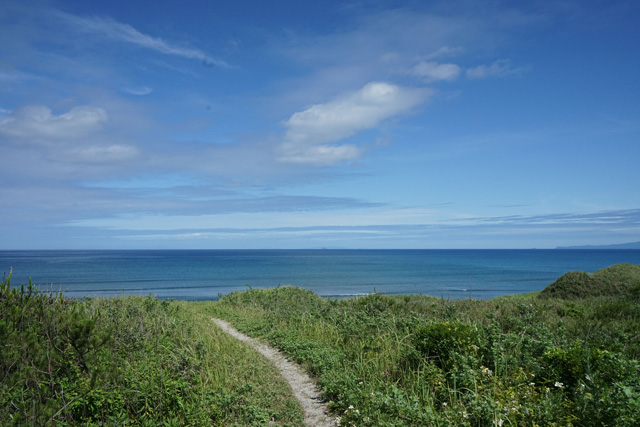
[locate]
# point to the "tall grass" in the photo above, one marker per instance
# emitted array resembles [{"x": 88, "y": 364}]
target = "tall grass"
[
  {"x": 415, "y": 360},
  {"x": 520, "y": 360},
  {"x": 128, "y": 361}
]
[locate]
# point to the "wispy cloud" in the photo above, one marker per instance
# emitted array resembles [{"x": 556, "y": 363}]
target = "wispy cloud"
[
  {"x": 375, "y": 228},
  {"x": 499, "y": 68},
  {"x": 312, "y": 134},
  {"x": 433, "y": 71},
  {"x": 122, "y": 32},
  {"x": 102, "y": 154},
  {"x": 140, "y": 91},
  {"x": 626, "y": 216},
  {"x": 12, "y": 76}
]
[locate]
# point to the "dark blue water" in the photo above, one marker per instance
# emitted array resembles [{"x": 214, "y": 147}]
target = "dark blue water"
[{"x": 204, "y": 274}]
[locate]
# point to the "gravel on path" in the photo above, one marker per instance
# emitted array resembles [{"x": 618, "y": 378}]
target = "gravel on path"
[{"x": 304, "y": 389}]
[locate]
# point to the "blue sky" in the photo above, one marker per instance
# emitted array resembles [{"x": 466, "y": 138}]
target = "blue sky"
[{"x": 288, "y": 124}]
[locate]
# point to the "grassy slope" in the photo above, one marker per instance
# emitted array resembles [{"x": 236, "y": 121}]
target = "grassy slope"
[
  {"x": 415, "y": 360},
  {"x": 129, "y": 361},
  {"x": 381, "y": 360},
  {"x": 620, "y": 279}
]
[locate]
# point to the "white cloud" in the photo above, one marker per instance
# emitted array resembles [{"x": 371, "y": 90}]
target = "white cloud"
[
  {"x": 38, "y": 122},
  {"x": 126, "y": 33},
  {"x": 433, "y": 71},
  {"x": 312, "y": 134},
  {"x": 501, "y": 67}
]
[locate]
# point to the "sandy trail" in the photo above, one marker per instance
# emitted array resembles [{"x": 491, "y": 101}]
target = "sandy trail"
[{"x": 304, "y": 389}]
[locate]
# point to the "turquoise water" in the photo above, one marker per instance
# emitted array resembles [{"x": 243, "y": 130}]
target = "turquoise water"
[{"x": 204, "y": 274}]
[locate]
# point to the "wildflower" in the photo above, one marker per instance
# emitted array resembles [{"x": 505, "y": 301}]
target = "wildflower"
[
  {"x": 559, "y": 384},
  {"x": 464, "y": 414},
  {"x": 350, "y": 406},
  {"x": 485, "y": 370},
  {"x": 338, "y": 420},
  {"x": 444, "y": 403},
  {"x": 532, "y": 384},
  {"x": 360, "y": 383},
  {"x": 498, "y": 422}
]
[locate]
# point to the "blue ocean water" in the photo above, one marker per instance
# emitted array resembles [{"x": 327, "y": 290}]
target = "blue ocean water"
[{"x": 206, "y": 274}]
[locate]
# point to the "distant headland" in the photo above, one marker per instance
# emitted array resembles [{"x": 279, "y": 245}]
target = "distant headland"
[{"x": 631, "y": 245}]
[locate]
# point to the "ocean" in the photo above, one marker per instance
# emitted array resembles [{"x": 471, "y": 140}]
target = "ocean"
[{"x": 208, "y": 274}]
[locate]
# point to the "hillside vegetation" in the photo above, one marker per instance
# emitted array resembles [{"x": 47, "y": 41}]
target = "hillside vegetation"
[
  {"x": 520, "y": 360},
  {"x": 128, "y": 361},
  {"x": 617, "y": 280}
]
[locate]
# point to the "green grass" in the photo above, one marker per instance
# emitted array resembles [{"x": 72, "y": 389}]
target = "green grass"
[
  {"x": 128, "y": 361},
  {"x": 620, "y": 279},
  {"x": 520, "y": 360},
  {"x": 415, "y": 360}
]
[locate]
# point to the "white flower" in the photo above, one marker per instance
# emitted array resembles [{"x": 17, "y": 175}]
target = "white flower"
[
  {"x": 498, "y": 422},
  {"x": 559, "y": 384}
]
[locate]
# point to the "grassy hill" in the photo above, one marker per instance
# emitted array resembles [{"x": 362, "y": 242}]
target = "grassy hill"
[{"x": 617, "y": 280}]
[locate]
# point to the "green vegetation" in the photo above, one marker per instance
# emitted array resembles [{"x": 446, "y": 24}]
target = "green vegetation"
[
  {"x": 128, "y": 361},
  {"x": 620, "y": 279},
  {"x": 520, "y": 360}
]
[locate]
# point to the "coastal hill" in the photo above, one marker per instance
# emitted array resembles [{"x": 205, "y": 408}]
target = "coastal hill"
[
  {"x": 617, "y": 280},
  {"x": 630, "y": 245}
]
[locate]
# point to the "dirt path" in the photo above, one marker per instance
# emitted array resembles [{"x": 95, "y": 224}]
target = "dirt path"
[{"x": 304, "y": 389}]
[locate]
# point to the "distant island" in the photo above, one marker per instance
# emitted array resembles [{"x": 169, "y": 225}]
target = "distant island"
[{"x": 631, "y": 245}]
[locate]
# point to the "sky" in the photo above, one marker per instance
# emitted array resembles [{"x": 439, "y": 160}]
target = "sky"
[{"x": 327, "y": 124}]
